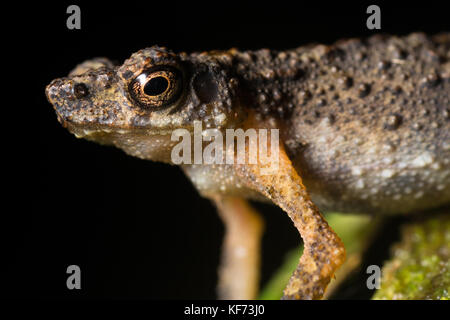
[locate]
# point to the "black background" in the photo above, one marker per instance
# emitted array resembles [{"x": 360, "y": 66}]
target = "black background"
[{"x": 139, "y": 229}]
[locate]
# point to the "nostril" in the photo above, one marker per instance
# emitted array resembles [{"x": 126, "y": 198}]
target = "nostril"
[{"x": 80, "y": 90}]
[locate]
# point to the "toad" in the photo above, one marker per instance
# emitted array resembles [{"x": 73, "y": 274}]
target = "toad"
[{"x": 363, "y": 127}]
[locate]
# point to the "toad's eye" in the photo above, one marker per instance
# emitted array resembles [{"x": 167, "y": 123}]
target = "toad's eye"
[{"x": 157, "y": 87}]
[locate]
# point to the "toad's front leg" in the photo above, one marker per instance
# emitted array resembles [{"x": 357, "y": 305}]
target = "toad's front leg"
[
  {"x": 323, "y": 250},
  {"x": 240, "y": 265}
]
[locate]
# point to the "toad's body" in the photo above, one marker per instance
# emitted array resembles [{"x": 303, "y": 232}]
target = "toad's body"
[{"x": 364, "y": 124}]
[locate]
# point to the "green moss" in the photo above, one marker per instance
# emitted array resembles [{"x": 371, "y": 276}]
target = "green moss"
[{"x": 420, "y": 267}]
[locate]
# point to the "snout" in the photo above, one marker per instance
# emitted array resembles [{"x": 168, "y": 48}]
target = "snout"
[
  {"x": 62, "y": 94},
  {"x": 92, "y": 99}
]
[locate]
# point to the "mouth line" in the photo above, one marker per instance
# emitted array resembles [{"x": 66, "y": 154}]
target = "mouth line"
[{"x": 84, "y": 130}]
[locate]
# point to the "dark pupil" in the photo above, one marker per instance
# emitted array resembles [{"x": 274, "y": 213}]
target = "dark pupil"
[{"x": 156, "y": 86}]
